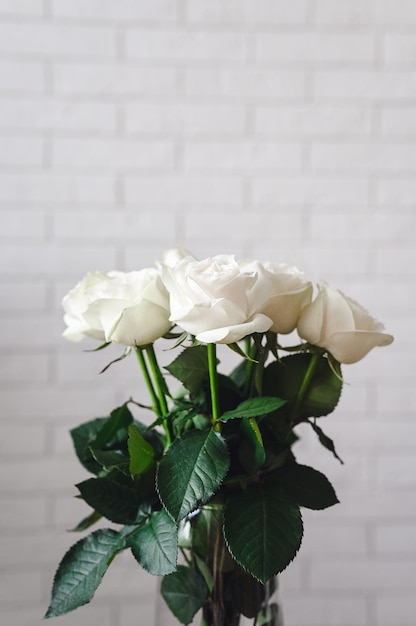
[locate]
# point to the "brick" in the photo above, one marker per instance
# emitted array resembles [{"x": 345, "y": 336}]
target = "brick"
[
  {"x": 397, "y": 470},
  {"x": 54, "y": 39},
  {"x": 105, "y": 225},
  {"x": 17, "y": 294},
  {"x": 372, "y": 506},
  {"x": 362, "y": 575},
  {"x": 21, "y": 77},
  {"x": 322, "y": 609},
  {"x": 21, "y": 7},
  {"x": 58, "y": 403},
  {"x": 23, "y": 441},
  {"x": 320, "y": 191},
  {"x": 400, "y": 121},
  {"x": 126, "y": 10},
  {"x": 381, "y": 226},
  {"x": 180, "y": 118},
  {"x": 399, "y": 48},
  {"x": 21, "y": 151},
  {"x": 355, "y": 12},
  {"x": 235, "y": 11},
  {"x": 395, "y": 538},
  {"x": 352, "y": 13},
  {"x": 396, "y": 192},
  {"x": 247, "y": 83},
  {"x": 148, "y": 606},
  {"x": 334, "y": 539},
  {"x": 46, "y": 188},
  {"x": 390, "y": 12},
  {"x": 16, "y": 585},
  {"x": 56, "y": 259},
  {"x": 42, "y": 474},
  {"x": 84, "y": 369},
  {"x": 206, "y": 228},
  {"x": 16, "y": 368},
  {"x": 22, "y": 514},
  {"x": 57, "y": 115},
  {"x": 313, "y": 47},
  {"x": 250, "y": 156},
  {"x": 394, "y": 262},
  {"x": 375, "y": 435},
  {"x": 32, "y": 331},
  {"x": 183, "y": 190},
  {"x": 114, "y": 80},
  {"x": 364, "y": 157},
  {"x": 111, "y": 154},
  {"x": 183, "y": 45},
  {"x": 398, "y": 608},
  {"x": 400, "y": 399},
  {"x": 90, "y": 615},
  {"x": 313, "y": 120},
  {"x": 365, "y": 85},
  {"x": 24, "y": 224}
]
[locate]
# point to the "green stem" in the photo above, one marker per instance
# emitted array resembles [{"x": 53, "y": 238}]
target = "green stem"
[
  {"x": 157, "y": 376},
  {"x": 249, "y": 368},
  {"x": 213, "y": 383},
  {"x": 305, "y": 384},
  {"x": 148, "y": 381}
]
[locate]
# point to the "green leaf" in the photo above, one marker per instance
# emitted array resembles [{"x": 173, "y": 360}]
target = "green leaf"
[
  {"x": 204, "y": 530},
  {"x": 191, "y": 471},
  {"x": 140, "y": 451},
  {"x": 284, "y": 379},
  {"x": 249, "y": 595},
  {"x": 100, "y": 347},
  {"x": 82, "y": 436},
  {"x": 184, "y": 592},
  {"x": 115, "y": 501},
  {"x": 119, "y": 419},
  {"x": 126, "y": 353},
  {"x": 325, "y": 440},
  {"x": 254, "y": 407},
  {"x": 190, "y": 367},
  {"x": 81, "y": 571},
  {"x": 88, "y": 521},
  {"x": 306, "y": 486},
  {"x": 111, "y": 459},
  {"x": 263, "y": 529},
  {"x": 252, "y": 434},
  {"x": 155, "y": 544}
]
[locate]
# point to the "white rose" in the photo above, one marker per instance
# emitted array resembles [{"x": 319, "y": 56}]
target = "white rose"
[
  {"x": 127, "y": 308},
  {"x": 279, "y": 292},
  {"x": 208, "y": 299},
  {"x": 172, "y": 256},
  {"x": 76, "y": 302},
  {"x": 341, "y": 326}
]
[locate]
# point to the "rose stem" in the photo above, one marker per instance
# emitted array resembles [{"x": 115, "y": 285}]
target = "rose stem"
[
  {"x": 157, "y": 375},
  {"x": 148, "y": 381},
  {"x": 249, "y": 368},
  {"x": 213, "y": 383},
  {"x": 305, "y": 384}
]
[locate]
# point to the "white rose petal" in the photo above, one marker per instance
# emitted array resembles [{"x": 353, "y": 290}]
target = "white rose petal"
[
  {"x": 278, "y": 291},
  {"x": 209, "y": 299},
  {"x": 341, "y": 326},
  {"x": 128, "y": 308}
]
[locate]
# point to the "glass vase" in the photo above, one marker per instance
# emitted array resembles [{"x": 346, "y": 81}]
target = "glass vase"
[{"x": 234, "y": 597}]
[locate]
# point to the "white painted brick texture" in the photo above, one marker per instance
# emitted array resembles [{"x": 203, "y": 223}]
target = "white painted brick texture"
[{"x": 273, "y": 129}]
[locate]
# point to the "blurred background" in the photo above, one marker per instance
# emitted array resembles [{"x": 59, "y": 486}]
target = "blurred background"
[{"x": 280, "y": 130}]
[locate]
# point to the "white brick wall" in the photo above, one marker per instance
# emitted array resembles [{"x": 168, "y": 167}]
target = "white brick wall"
[{"x": 280, "y": 130}]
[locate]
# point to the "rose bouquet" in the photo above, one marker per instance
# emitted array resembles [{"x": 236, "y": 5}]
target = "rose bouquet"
[{"x": 209, "y": 495}]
